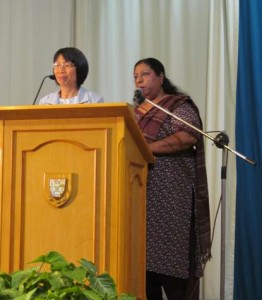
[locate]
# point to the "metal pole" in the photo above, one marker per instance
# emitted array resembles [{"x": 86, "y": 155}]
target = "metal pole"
[{"x": 223, "y": 223}]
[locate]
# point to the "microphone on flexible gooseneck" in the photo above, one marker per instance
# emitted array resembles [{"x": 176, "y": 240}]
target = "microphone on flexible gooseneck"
[
  {"x": 52, "y": 77},
  {"x": 138, "y": 97}
]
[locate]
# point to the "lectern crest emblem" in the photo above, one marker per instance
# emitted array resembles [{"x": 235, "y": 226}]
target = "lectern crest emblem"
[{"x": 58, "y": 188}]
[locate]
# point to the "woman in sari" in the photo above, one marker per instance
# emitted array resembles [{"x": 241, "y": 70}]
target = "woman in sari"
[{"x": 178, "y": 226}]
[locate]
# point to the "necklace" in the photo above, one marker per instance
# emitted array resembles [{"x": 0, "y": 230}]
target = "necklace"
[{"x": 68, "y": 100}]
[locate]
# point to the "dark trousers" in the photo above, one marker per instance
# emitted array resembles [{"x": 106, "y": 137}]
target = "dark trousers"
[{"x": 175, "y": 288}]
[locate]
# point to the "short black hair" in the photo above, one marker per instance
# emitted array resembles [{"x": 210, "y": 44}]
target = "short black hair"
[{"x": 79, "y": 60}]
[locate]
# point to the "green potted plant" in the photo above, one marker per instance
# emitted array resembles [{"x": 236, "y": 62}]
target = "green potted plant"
[{"x": 63, "y": 280}]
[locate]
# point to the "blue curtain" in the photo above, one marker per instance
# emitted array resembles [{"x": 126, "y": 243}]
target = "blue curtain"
[{"x": 248, "y": 242}]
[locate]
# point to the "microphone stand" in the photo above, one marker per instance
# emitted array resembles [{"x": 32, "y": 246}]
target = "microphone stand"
[
  {"x": 49, "y": 76},
  {"x": 223, "y": 223},
  {"x": 221, "y": 141},
  {"x": 218, "y": 140}
]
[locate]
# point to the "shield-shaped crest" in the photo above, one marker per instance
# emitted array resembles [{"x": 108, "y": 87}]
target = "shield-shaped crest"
[{"x": 58, "y": 188}]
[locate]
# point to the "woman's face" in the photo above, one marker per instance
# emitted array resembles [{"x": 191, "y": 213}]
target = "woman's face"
[
  {"x": 147, "y": 80},
  {"x": 65, "y": 72}
]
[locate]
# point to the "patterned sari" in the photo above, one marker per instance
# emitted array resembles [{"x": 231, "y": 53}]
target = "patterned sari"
[{"x": 150, "y": 120}]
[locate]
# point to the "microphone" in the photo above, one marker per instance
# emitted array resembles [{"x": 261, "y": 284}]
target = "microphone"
[
  {"x": 138, "y": 97},
  {"x": 52, "y": 77}
]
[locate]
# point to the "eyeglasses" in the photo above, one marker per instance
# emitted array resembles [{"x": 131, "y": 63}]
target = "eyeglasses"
[{"x": 66, "y": 65}]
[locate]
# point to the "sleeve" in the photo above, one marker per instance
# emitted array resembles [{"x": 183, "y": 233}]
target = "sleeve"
[
  {"x": 187, "y": 113},
  {"x": 49, "y": 99}
]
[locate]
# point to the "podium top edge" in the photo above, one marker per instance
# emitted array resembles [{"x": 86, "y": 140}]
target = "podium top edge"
[{"x": 25, "y": 112}]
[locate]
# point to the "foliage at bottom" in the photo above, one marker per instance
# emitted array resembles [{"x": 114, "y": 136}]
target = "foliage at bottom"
[{"x": 63, "y": 281}]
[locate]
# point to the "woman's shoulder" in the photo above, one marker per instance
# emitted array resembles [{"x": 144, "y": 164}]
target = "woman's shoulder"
[
  {"x": 49, "y": 99},
  {"x": 87, "y": 96}
]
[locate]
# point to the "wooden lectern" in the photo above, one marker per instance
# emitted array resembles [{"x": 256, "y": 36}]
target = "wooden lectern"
[{"x": 73, "y": 180}]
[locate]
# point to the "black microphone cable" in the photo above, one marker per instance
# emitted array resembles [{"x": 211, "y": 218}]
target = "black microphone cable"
[{"x": 52, "y": 77}]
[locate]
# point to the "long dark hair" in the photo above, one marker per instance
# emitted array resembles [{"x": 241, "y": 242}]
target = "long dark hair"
[
  {"x": 76, "y": 57},
  {"x": 158, "y": 68}
]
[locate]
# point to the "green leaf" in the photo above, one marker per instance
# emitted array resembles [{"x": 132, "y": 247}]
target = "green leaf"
[
  {"x": 58, "y": 281},
  {"x": 5, "y": 280},
  {"x": 104, "y": 285},
  {"x": 70, "y": 291},
  {"x": 55, "y": 259},
  {"x": 2, "y": 284},
  {"x": 78, "y": 274},
  {"x": 20, "y": 277},
  {"x": 27, "y": 296},
  {"x": 89, "y": 266},
  {"x": 53, "y": 295},
  {"x": 41, "y": 258},
  {"x": 91, "y": 295},
  {"x": 9, "y": 294},
  {"x": 38, "y": 278}
]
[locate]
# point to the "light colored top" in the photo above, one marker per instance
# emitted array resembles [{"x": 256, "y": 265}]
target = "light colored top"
[{"x": 84, "y": 96}]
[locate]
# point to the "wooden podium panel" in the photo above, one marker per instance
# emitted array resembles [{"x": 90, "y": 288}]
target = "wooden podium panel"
[{"x": 99, "y": 152}]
